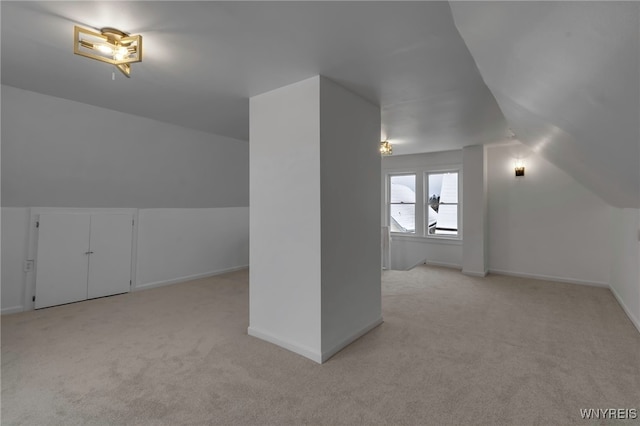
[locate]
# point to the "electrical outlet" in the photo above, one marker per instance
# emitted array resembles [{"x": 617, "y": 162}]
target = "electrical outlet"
[{"x": 28, "y": 265}]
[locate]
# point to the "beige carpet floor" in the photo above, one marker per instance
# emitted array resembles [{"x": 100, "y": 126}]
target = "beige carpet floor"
[{"x": 452, "y": 350}]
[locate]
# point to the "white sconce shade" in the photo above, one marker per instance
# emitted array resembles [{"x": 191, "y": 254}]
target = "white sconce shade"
[{"x": 519, "y": 168}]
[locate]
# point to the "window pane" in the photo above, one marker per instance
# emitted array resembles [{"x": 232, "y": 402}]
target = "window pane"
[
  {"x": 447, "y": 223},
  {"x": 442, "y": 204},
  {"x": 402, "y": 208},
  {"x": 403, "y": 218},
  {"x": 403, "y": 189}
]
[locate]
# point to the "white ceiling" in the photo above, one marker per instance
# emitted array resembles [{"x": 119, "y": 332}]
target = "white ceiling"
[
  {"x": 203, "y": 60},
  {"x": 565, "y": 74},
  {"x": 567, "y": 77}
]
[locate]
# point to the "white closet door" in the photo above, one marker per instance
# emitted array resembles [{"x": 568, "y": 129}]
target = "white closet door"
[
  {"x": 61, "y": 268},
  {"x": 110, "y": 260}
]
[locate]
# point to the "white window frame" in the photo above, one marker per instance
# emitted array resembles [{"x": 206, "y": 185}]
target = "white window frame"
[
  {"x": 425, "y": 200},
  {"x": 418, "y": 231},
  {"x": 421, "y": 202}
]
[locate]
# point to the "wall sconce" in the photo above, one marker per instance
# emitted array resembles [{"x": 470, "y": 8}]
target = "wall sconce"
[
  {"x": 386, "y": 148},
  {"x": 519, "y": 168},
  {"x": 109, "y": 45}
]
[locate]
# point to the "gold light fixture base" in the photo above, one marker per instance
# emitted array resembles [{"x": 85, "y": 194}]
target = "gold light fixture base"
[
  {"x": 113, "y": 33},
  {"x": 110, "y": 45}
]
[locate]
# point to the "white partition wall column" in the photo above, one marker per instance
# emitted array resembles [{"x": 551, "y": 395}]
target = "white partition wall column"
[
  {"x": 350, "y": 167},
  {"x": 314, "y": 217},
  {"x": 284, "y": 217},
  {"x": 475, "y": 254}
]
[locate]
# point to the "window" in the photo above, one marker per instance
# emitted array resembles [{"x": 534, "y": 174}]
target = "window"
[
  {"x": 424, "y": 202},
  {"x": 402, "y": 203},
  {"x": 441, "y": 210}
]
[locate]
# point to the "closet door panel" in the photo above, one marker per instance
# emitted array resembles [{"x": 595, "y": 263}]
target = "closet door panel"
[
  {"x": 110, "y": 260},
  {"x": 61, "y": 263}
]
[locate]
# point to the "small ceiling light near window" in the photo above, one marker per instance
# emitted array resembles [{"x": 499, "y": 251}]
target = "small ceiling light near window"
[
  {"x": 386, "y": 148},
  {"x": 109, "y": 45}
]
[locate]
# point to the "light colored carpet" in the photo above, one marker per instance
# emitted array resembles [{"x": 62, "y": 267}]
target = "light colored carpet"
[{"x": 452, "y": 350}]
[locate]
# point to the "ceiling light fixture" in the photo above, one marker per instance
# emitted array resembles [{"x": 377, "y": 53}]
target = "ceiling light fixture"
[
  {"x": 109, "y": 45},
  {"x": 386, "y": 148}
]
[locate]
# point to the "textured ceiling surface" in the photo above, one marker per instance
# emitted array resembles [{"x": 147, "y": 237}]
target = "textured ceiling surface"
[
  {"x": 203, "y": 60},
  {"x": 567, "y": 78}
]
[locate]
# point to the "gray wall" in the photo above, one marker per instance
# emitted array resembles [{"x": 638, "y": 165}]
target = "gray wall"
[
  {"x": 546, "y": 224},
  {"x": 61, "y": 153},
  {"x": 350, "y": 194},
  {"x": 284, "y": 224},
  {"x": 475, "y": 259},
  {"x": 625, "y": 261}
]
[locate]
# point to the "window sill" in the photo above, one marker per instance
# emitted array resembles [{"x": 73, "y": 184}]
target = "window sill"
[{"x": 426, "y": 240}]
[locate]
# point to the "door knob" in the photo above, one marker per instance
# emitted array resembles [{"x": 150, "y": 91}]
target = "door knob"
[{"x": 88, "y": 252}]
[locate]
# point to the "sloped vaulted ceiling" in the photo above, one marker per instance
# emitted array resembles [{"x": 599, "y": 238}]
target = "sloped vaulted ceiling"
[
  {"x": 564, "y": 74},
  {"x": 204, "y": 59},
  {"x": 566, "y": 77}
]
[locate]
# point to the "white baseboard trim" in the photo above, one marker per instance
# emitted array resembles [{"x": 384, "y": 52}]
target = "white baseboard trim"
[
  {"x": 417, "y": 264},
  {"x": 348, "y": 340},
  {"x": 11, "y": 310},
  {"x": 148, "y": 286},
  {"x": 295, "y": 348},
  {"x": 635, "y": 321},
  {"x": 549, "y": 278},
  {"x": 443, "y": 264},
  {"x": 475, "y": 274},
  {"x": 431, "y": 263}
]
